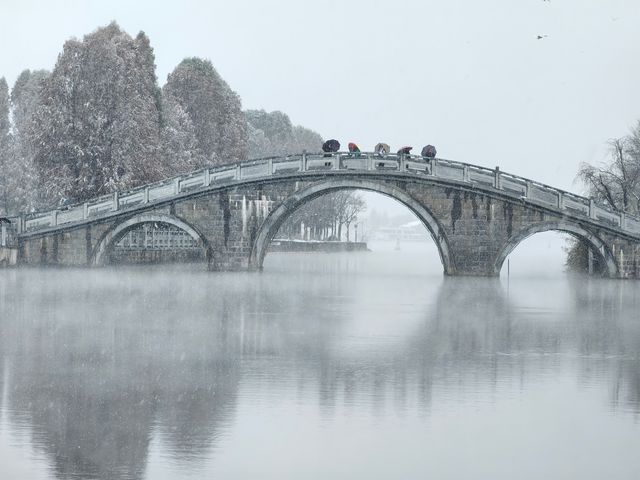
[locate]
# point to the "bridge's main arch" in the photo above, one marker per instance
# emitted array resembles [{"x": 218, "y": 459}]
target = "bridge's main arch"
[
  {"x": 597, "y": 245},
  {"x": 276, "y": 218},
  {"x": 103, "y": 248}
]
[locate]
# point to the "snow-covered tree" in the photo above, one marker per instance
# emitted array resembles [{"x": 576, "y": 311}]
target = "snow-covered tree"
[
  {"x": 214, "y": 109},
  {"x": 180, "y": 145},
  {"x": 25, "y": 97},
  {"x": 272, "y": 134},
  {"x": 5, "y": 126},
  {"x": 98, "y": 125},
  {"x": 258, "y": 143},
  {"x": 615, "y": 183},
  {"x": 323, "y": 218},
  {"x": 5, "y": 147},
  {"x": 305, "y": 139}
]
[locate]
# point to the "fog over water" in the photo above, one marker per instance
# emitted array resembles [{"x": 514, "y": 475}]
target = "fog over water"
[{"x": 368, "y": 365}]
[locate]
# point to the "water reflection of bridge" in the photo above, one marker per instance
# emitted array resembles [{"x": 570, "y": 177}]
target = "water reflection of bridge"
[{"x": 93, "y": 395}]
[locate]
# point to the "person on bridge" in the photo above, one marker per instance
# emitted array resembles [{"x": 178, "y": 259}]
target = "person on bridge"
[
  {"x": 353, "y": 149},
  {"x": 405, "y": 151},
  {"x": 330, "y": 146},
  {"x": 429, "y": 152},
  {"x": 382, "y": 149}
]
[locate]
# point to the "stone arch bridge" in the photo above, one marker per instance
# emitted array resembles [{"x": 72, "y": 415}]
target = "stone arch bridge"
[{"x": 475, "y": 215}]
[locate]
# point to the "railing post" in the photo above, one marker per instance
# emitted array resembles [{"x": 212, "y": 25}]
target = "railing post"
[
  {"x": 145, "y": 198},
  {"x": 116, "y": 201},
  {"x": 592, "y": 208},
  {"x": 238, "y": 172},
  {"x": 176, "y": 186},
  {"x": 207, "y": 177},
  {"x": 465, "y": 173},
  {"x": 270, "y": 166},
  {"x": 304, "y": 162},
  {"x": 54, "y": 218},
  {"x": 336, "y": 161},
  {"x": 402, "y": 165},
  {"x": 434, "y": 167},
  {"x": 21, "y": 224},
  {"x": 528, "y": 188},
  {"x": 560, "y": 201},
  {"x": 85, "y": 210},
  {"x": 623, "y": 220},
  {"x": 496, "y": 178},
  {"x": 369, "y": 162},
  {"x": 3, "y": 240}
]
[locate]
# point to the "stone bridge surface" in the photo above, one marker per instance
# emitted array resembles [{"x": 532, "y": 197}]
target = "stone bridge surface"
[{"x": 475, "y": 215}]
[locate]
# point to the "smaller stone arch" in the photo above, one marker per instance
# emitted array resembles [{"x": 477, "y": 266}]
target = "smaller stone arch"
[
  {"x": 112, "y": 236},
  {"x": 277, "y": 217},
  {"x": 575, "y": 229}
]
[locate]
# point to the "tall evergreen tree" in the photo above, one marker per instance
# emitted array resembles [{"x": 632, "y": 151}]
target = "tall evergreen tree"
[
  {"x": 272, "y": 134},
  {"x": 305, "y": 139},
  {"x": 214, "y": 109},
  {"x": 5, "y": 145},
  {"x": 98, "y": 125},
  {"x": 25, "y": 97},
  {"x": 180, "y": 145}
]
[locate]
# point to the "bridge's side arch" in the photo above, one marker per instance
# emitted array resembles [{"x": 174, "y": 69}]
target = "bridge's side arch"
[
  {"x": 597, "y": 245},
  {"x": 276, "y": 218},
  {"x": 101, "y": 251}
]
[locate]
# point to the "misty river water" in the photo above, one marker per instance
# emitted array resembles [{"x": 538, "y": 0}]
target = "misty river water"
[{"x": 366, "y": 365}]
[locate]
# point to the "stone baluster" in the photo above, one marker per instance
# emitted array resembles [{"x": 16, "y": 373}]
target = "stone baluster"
[{"x": 592, "y": 208}]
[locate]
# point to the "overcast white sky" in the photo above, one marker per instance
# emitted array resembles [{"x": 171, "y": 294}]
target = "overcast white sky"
[{"x": 468, "y": 76}]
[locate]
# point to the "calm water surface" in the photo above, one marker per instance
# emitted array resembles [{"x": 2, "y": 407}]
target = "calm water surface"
[{"x": 322, "y": 367}]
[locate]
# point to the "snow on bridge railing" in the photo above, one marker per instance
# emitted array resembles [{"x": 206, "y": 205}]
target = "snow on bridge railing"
[{"x": 331, "y": 163}]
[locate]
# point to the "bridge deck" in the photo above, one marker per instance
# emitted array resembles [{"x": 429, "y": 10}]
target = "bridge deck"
[{"x": 444, "y": 171}]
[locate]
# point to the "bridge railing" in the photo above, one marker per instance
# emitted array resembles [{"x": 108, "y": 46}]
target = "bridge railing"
[{"x": 331, "y": 163}]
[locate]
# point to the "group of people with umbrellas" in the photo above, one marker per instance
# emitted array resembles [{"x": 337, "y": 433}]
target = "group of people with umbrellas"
[{"x": 333, "y": 146}]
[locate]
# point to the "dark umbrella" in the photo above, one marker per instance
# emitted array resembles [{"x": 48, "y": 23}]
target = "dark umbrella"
[
  {"x": 429, "y": 151},
  {"x": 405, "y": 151},
  {"x": 331, "y": 146}
]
